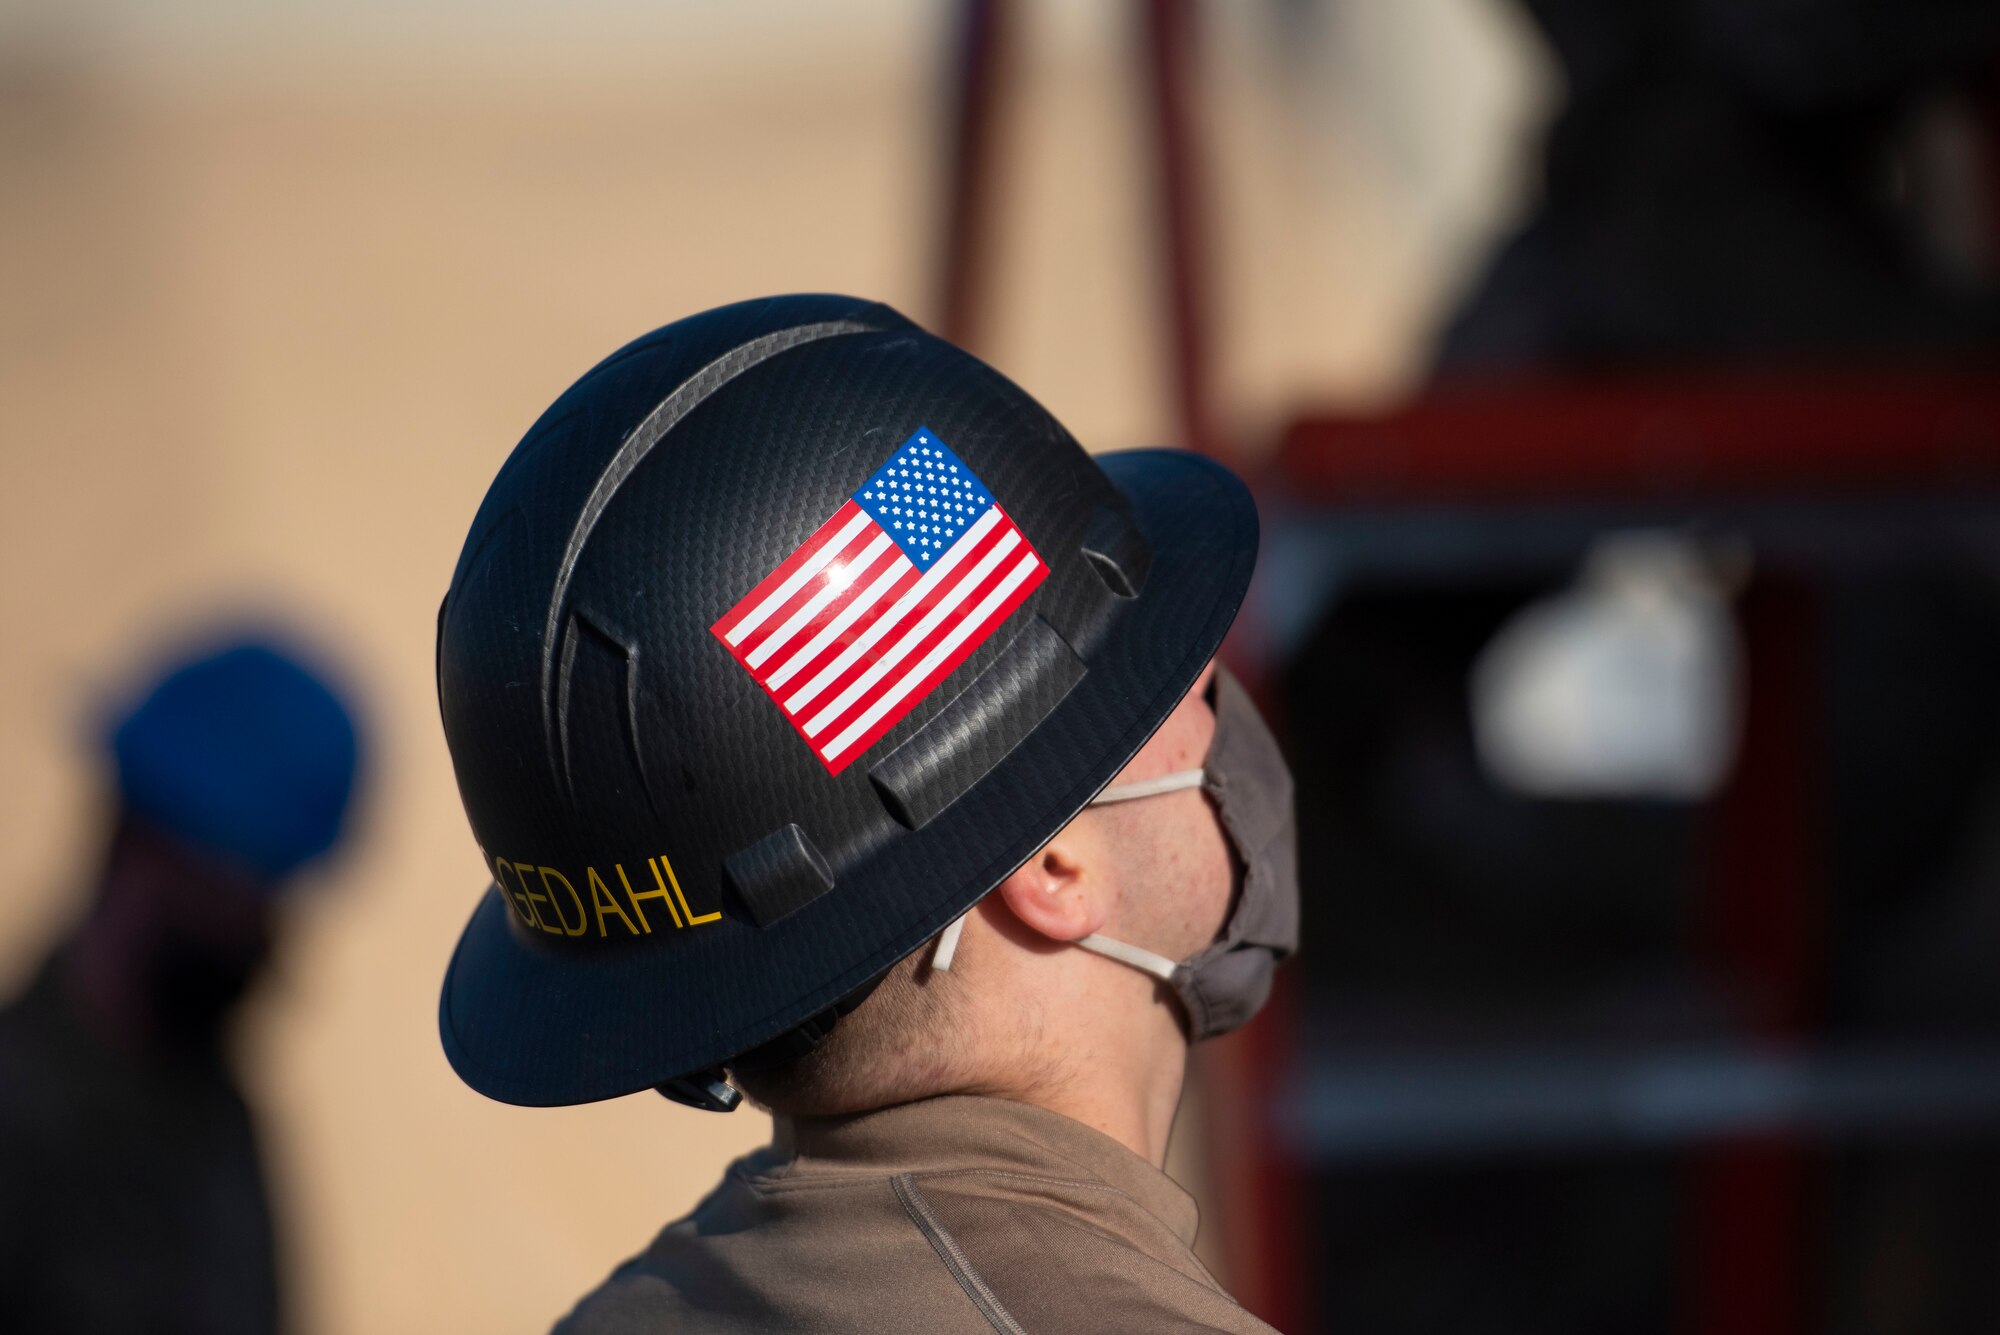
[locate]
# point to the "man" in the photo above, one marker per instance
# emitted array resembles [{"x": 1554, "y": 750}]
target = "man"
[
  {"x": 131, "y": 1196},
  {"x": 784, "y": 672}
]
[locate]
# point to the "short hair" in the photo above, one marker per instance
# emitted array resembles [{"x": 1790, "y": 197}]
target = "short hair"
[{"x": 894, "y": 1047}]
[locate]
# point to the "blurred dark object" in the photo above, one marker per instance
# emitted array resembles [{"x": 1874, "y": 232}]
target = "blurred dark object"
[
  {"x": 1722, "y": 1062},
  {"x": 131, "y": 1194},
  {"x": 1736, "y": 180}
]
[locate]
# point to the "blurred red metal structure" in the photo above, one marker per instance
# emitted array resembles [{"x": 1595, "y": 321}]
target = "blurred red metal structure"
[
  {"x": 1692, "y": 436},
  {"x": 1170, "y": 73},
  {"x": 1761, "y": 930},
  {"x": 984, "y": 47},
  {"x": 984, "y": 44}
]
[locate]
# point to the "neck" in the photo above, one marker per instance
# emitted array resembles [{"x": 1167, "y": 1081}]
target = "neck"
[
  {"x": 1141, "y": 1124},
  {"x": 1121, "y": 1073}
]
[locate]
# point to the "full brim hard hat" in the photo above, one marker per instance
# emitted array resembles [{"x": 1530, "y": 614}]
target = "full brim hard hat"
[{"x": 526, "y": 1021}]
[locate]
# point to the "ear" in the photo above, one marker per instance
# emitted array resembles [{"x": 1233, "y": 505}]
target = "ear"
[{"x": 1061, "y": 893}]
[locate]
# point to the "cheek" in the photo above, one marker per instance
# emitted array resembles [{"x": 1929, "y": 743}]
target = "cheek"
[
  {"x": 1197, "y": 865},
  {"x": 1218, "y": 876}
]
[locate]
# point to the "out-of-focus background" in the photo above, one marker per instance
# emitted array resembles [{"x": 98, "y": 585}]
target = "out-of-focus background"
[{"x": 1619, "y": 381}]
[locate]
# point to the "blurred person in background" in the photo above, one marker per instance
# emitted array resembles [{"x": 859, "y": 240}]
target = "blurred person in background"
[
  {"x": 1744, "y": 180},
  {"x": 131, "y": 1194}
]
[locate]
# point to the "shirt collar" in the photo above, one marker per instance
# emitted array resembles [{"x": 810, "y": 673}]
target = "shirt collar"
[{"x": 965, "y": 1131}]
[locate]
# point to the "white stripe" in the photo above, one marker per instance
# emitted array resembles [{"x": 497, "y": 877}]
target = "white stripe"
[
  {"x": 914, "y": 636},
  {"x": 915, "y": 594},
  {"x": 798, "y": 578},
  {"x": 838, "y": 626},
  {"x": 816, "y": 604},
  {"x": 945, "y": 647}
]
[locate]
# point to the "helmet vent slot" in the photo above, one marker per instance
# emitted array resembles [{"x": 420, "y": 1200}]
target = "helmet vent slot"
[
  {"x": 1117, "y": 552},
  {"x": 598, "y": 758},
  {"x": 979, "y": 729},
  {"x": 778, "y": 875}
]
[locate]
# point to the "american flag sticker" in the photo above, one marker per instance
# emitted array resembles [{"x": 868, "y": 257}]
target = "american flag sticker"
[{"x": 877, "y": 607}]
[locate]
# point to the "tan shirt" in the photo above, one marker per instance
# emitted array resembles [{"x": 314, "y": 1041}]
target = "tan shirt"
[{"x": 951, "y": 1214}]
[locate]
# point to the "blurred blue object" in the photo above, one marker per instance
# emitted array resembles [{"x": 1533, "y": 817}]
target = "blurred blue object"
[{"x": 242, "y": 752}]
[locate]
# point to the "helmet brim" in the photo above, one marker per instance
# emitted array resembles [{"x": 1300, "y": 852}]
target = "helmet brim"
[{"x": 526, "y": 1025}]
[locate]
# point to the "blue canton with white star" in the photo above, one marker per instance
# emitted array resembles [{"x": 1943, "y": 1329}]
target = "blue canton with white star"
[{"x": 924, "y": 497}]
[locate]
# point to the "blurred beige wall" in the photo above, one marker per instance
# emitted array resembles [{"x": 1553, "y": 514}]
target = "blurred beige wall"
[{"x": 277, "y": 297}]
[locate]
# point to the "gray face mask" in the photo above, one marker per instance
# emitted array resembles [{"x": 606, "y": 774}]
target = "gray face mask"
[{"x": 1225, "y": 983}]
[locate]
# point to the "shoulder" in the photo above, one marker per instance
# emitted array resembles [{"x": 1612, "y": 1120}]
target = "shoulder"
[
  {"x": 1060, "y": 1254},
  {"x": 974, "y": 1251},
  {"x": 778, "y": 1253}
]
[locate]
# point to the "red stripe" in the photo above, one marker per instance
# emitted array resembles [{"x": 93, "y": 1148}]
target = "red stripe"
[
  {"x": 838, "y": 644},
  {"x": 894, "y": 636},
  {"x": 892, "y": 717},
  {"x": 749, "y": 602},
  {"x": 909, "y": 577},
  {"x": 804, "y": 594},
  {"x": 861, "y": 583},
  {"x": 944, "y": 628}
]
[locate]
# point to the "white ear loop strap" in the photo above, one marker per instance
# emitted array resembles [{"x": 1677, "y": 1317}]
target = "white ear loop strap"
[
  {"x": 947, "y": 944},
  {"x": 1143, "y": 960},
  {"x": 1166, "y": 783},
  {"x": 1159, "y": 966}
]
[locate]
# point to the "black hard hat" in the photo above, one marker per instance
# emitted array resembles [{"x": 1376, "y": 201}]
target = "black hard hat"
[{"x": 783, "y": 636}]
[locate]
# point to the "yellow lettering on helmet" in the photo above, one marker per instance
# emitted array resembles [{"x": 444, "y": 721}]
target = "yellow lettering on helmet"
[
  {"x": 692, "y": 921},
  {"x": 541, "y": 907},
  {"x": 515, "y": 901},
  {"x": 518, "y": 897},
  {"x": 521, "y": 870},
  {"x": 582, "y": 915},
  {"x": 637, "y": 895},
  {"x": 600, "y": 899}
]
